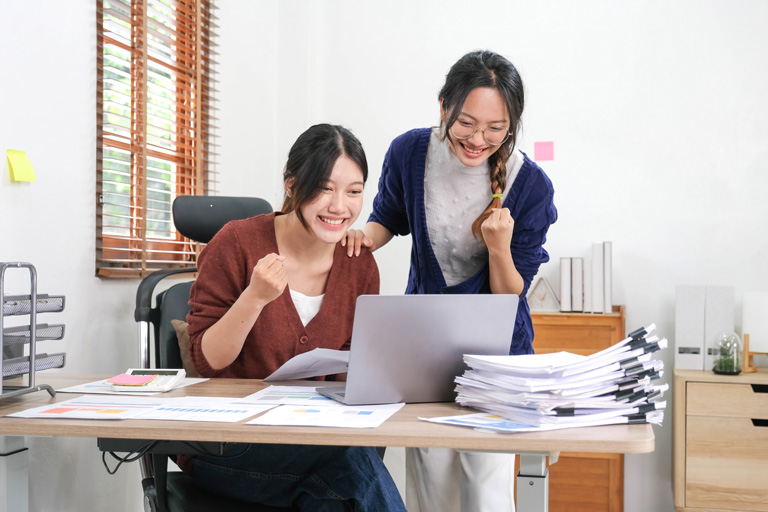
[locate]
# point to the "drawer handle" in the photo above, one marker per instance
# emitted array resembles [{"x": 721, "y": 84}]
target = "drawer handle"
[
  {"x": 760, "y": 388},
  {"x": 759, "y": 423}
]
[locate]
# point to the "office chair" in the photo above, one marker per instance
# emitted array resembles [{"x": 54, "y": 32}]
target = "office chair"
[{"x": 198, "y": 218}]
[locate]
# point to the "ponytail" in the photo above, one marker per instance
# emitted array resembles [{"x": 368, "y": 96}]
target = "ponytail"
[{"x": 497, "y": 169}]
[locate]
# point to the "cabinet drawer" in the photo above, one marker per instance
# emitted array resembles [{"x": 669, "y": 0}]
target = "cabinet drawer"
[
  {"x": 578, "y": 334},
  {"x": 726, "y": 464},
  {"x": 729, "y": 400}
]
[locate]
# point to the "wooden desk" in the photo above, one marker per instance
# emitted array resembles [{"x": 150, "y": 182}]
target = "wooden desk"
[{"x": 403, "y": 429}]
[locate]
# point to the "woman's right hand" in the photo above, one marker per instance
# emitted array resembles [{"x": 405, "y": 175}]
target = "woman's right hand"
[
  {"x": 268, "y": 279},
  {"x": 354, "y": 239}
]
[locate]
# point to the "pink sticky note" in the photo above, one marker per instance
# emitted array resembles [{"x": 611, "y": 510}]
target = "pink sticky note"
[
  {"x": 543, "y": 151},
  {"x": 131, "y": 380}
]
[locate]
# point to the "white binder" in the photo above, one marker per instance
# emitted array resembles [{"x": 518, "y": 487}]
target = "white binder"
[{"x": 689, "y": 345}]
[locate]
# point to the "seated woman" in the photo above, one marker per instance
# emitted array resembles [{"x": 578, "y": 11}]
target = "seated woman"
[{"x": 274, "y": 286}]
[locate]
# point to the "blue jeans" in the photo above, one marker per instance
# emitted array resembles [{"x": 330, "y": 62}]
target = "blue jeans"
[{"x": 311, "y": 478}]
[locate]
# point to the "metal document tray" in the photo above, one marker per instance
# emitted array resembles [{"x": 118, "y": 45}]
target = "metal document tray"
[
  {"x": 20, "y": 304},
  {"x": 22, "y": 334},
  {"x": 20, "y": 365}
]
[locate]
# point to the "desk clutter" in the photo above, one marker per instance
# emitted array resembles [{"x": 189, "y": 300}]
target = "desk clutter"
[
  {"x": 20, "y": 356},
  {"x": 284, "y": 405},
  {"x": 564, "y": 390}
]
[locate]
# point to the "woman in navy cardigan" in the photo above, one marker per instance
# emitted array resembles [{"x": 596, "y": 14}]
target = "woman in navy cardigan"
[{"x": 478, "y": 210}]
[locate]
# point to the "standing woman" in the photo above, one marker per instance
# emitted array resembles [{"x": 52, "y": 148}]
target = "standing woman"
[
  {"x": 478, "y": 211},
  {"x": 274, "y": 286}
]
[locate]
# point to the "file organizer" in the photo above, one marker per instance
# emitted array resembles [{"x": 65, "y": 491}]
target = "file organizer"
[{"x": 15, "y": 339}]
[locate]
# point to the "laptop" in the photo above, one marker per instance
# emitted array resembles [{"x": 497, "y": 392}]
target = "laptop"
[{"x": 409, "y": 348}]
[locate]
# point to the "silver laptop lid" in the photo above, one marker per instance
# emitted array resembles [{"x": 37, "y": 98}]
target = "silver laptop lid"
[{"x": 409, "y": 348}]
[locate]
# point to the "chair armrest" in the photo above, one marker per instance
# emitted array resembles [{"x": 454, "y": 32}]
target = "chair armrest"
[{"x": 143, "y": 311}]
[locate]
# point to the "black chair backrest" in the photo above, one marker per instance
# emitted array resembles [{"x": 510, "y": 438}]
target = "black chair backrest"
[{"x": 199, "y": 218}]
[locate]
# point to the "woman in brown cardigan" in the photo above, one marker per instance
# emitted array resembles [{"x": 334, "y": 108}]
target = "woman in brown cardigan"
[{"x": 274, "y": 286}]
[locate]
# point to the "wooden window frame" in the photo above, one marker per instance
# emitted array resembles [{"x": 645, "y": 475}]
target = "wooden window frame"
[{"x": 177, "y": 37}]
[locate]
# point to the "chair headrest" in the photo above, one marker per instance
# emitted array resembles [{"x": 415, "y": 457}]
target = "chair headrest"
[{"x": 199, "y": 218}]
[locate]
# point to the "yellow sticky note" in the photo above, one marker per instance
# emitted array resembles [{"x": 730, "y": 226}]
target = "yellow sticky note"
[{"x": 21, "y": 167}]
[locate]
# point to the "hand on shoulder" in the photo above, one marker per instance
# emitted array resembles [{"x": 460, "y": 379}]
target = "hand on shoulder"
[{"x": 354, "y": 240}]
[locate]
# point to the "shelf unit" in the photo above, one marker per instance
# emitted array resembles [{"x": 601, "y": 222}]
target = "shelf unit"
[
  {"x": 14, "y": 340},
  {"x": 720, "y": 441},
  {"x": 582, "y": 482}
]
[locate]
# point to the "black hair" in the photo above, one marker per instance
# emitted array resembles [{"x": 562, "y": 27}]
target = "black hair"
[
  {"x": 485, "y": 68},
  {"x": 311, "y": 160}
]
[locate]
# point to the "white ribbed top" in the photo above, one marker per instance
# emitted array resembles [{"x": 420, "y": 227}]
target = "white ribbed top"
[
  {"x": 306, "y": 306},
  {"x": 454, "y": 196}
]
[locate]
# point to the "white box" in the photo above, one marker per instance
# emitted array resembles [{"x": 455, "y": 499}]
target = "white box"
[{"x": 690, "y": 301}]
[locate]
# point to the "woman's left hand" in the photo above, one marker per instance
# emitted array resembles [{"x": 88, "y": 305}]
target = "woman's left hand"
[{"x": 497, "y": 230}]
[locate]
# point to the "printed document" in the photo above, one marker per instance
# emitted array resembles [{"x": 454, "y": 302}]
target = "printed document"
[
  {"x": 350, "y": 416},
  {"x": 290, "y": 395},
  {"x": 315, "y": 363}
]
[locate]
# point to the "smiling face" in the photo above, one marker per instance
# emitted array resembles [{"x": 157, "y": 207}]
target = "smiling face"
[
  {"x": 484, "y": 108},
  {"x": 338, "y": 203}
]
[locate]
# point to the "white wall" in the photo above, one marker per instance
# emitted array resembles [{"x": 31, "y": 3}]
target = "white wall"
[
  {"x": 657, "y": 110},
  {"x": 47, "y": 108}
]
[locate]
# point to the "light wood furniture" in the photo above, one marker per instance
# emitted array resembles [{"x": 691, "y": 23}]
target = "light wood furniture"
[
  {"x": 748, "y": 365},
  {"x": 580, "y": 481},
  {"x": 402, "y": 429},
  {"x": 720, "y": 441}
]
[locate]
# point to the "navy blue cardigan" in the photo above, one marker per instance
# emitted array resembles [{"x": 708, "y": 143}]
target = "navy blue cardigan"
[{"x": 399, "y": 207}]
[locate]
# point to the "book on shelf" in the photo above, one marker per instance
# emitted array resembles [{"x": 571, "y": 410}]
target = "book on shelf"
[
  {"x": 565, "y": 285},
  {"x": 577, "y": 285},
  {"x": 607, "y": 278},
  {"x": 597, "y": 278},
  {"x": 586, "y": 284}
]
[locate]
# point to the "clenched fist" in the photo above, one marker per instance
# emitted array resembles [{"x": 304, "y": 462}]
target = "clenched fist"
[
  {"x": 497, "y": 229},
  {"x": 268, "y": 279}
]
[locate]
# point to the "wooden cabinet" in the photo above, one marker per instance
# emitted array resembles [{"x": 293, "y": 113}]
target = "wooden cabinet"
[
  {"x": 720, "y": 441},
  {"x": 582, "y": 482}
]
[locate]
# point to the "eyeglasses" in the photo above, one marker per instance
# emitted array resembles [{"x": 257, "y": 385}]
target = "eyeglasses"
[{"x": 493, "y": 135}]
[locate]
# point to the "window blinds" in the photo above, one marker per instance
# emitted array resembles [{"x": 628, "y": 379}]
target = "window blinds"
[{"x": 156, "y": 126}]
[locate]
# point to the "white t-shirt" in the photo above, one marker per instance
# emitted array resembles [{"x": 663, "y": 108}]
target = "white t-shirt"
[
  {"x": 306, "y": 306},
  {"x": 454, "y": 196}
]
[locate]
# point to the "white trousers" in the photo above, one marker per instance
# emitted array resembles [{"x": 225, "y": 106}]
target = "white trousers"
[{"x": 446, "y": 480}]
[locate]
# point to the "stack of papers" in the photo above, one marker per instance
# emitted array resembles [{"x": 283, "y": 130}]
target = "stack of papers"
[{"x": 564, "y": 390}]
